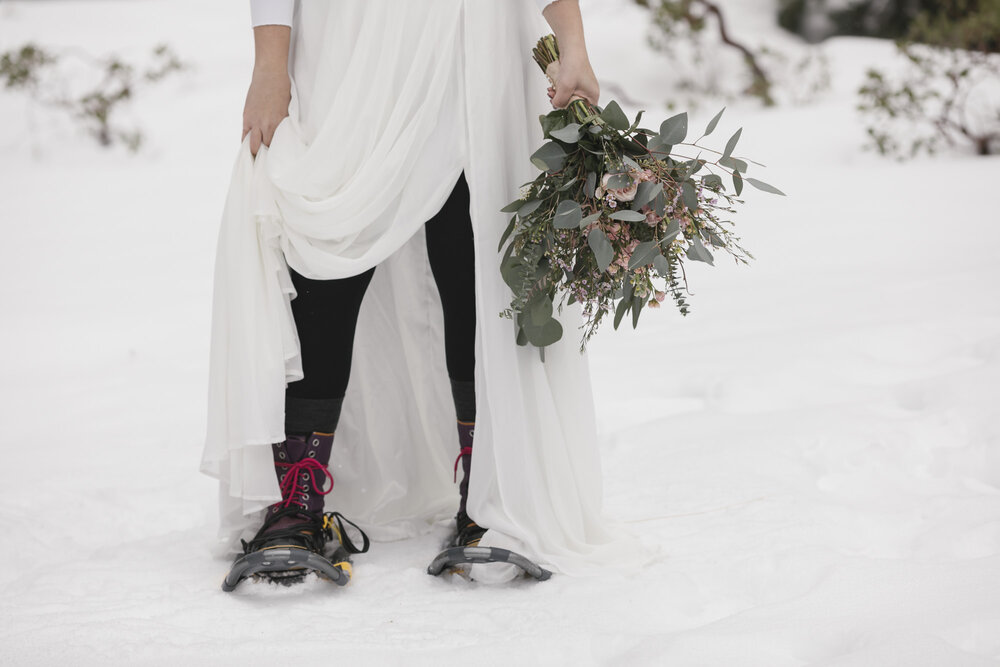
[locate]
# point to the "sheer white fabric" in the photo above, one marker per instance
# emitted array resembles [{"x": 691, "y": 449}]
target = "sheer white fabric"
[
  {"x": 390, "y": 102},
  {"x": 279, "y": 12}
]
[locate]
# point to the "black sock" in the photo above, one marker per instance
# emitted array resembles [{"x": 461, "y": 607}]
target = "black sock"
[
  {"x": 464, "y": 394},
  {"x": 304, "y": 416}
]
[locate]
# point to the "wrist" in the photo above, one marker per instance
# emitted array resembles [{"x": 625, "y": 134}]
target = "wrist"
[
  {"x": 574, "y": 55},
  {"x": 270, "y": 70}
]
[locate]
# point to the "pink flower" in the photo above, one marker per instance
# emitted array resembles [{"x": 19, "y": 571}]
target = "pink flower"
[
  {"x": 626, "y": 254},
  {"x": 622, "y": 194},
  {"x": 652, "y": 219},
  {"x": 660, "y": 296},
  {"x": 653, "y": 303}
]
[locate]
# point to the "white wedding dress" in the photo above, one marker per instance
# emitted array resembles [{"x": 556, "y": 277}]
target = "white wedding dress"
[{"x": 390, "y": 102}]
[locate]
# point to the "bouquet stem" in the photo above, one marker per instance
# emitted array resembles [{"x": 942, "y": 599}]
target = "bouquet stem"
[{"x": 546, "y": 54}]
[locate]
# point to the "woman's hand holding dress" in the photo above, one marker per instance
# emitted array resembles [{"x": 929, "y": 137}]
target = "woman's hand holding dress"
[{"x": 270, "y": 87}]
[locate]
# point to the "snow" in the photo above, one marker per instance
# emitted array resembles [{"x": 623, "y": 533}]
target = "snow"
[{"x": 815, "y": 445}]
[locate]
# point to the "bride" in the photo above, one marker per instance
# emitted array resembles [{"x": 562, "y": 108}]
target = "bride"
[{"x": 358, "y": 247}]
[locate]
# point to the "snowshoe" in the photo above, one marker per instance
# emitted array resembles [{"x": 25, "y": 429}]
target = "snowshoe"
[
  {"x": 286, "y": 556},
  {"x": 464, "y": 550},
  {"x": 292, "y": 541}
]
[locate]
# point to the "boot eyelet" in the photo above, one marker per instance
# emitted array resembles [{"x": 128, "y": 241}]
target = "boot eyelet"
[
  {"x": 312, "y": 455},
  {"x": 305, "y": 496},
  {"x": 315, "y": 442},
  {"x": 281, "y": 455}
]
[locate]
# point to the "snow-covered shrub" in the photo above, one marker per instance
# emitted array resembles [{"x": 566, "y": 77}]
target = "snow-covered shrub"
[
  {"x": 91, "y": 94},
  {"x": 685, "y": 21},
  {"x": 949, "y": 88}
]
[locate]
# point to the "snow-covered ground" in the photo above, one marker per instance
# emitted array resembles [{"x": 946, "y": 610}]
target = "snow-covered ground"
[{"x": 816, "y": 446}]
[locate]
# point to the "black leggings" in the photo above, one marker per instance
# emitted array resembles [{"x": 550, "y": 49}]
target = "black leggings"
[{"x": 326, "y": 311}]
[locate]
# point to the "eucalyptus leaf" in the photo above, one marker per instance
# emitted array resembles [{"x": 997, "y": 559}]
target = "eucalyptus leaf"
[
  {"x": 734, "y": 163},
  {"x": 550, "y": 157},
  {"x": 690, "y": 195},
  {"x": 712, "y": 181},
  {"x": 761, "y": 185},
  {"x": 540, "y": 310},
  {"x": 615, "y": 117},
  {"x": 674, "y": 129},
  {"x": 635, "y": 123},
  {"x": 637, "y": 304},
  {"x": 507, "y": 232},
  {"x": 699, "y": 252},
  {"x": 570, "y": 134},
  {"x": 528, "y": 208},
  {"x": 629, "y": 162},
  {"x": 567, "y": 185},
  {"x": 643, "y": 254},
  {"x": 591, "y": 185},
  {"x": 522, "y": 337},
  {"x": 737, "y": 183},
  {"x": 590, "y": 218},
  {"x": 660, "y": 148},
  {"x": 603, "y": 251},
  {"x": 660, "y": 204},
  {"x": 731, "y": 144},
  {"x": 568, "y": 215},
  {"x": 543, "y": 335},
  {"x": 673, "y": 229},
  {"x": 628, "y": 216},
  {"x": 511, "y": 269},
  {"x": 712, "y": 123},
  {"x": 619, "y": 181},
  {"x": 620, "y": 311},
  {"x": 661, "y": 264},
  {"x": 646, "y": 192},
  {"x": 513, "y": 206}
]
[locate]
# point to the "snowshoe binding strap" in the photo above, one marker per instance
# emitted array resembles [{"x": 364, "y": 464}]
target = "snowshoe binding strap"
[{"x": 341, "y": 534}]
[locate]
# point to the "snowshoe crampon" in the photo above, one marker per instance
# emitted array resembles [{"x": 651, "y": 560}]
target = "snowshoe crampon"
[{"x": 286, "y": 556}]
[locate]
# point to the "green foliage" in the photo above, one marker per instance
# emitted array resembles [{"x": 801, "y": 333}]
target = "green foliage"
[
  {"x": 32, "y": 69},
  {"x": 959, "y": 24},
  {"x": 964, "y": 24}
]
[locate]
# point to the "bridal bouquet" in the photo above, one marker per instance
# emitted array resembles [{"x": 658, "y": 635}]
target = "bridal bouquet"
[{"x": 614, "y": 214}]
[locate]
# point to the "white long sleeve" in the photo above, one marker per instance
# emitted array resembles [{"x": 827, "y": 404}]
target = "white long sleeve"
[
  {"x": 279, "y": 12},
  {"x": 271, "y": 12}
]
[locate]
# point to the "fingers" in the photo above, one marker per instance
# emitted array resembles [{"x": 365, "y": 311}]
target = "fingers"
[
  {"x": 561, "y": 98},
  {"x": 255, "y": 140}
]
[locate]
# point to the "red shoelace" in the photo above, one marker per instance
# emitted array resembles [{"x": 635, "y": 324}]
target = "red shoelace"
[
  {"x": 291, "y": 490},
  {"x": 465, "y": 450}
]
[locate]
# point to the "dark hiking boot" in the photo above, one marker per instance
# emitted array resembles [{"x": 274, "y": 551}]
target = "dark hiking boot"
[
  {"x": 463, "y": 550},
  {"x": 467, "y": 532},
  {"x": 293, "y": 538}
]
